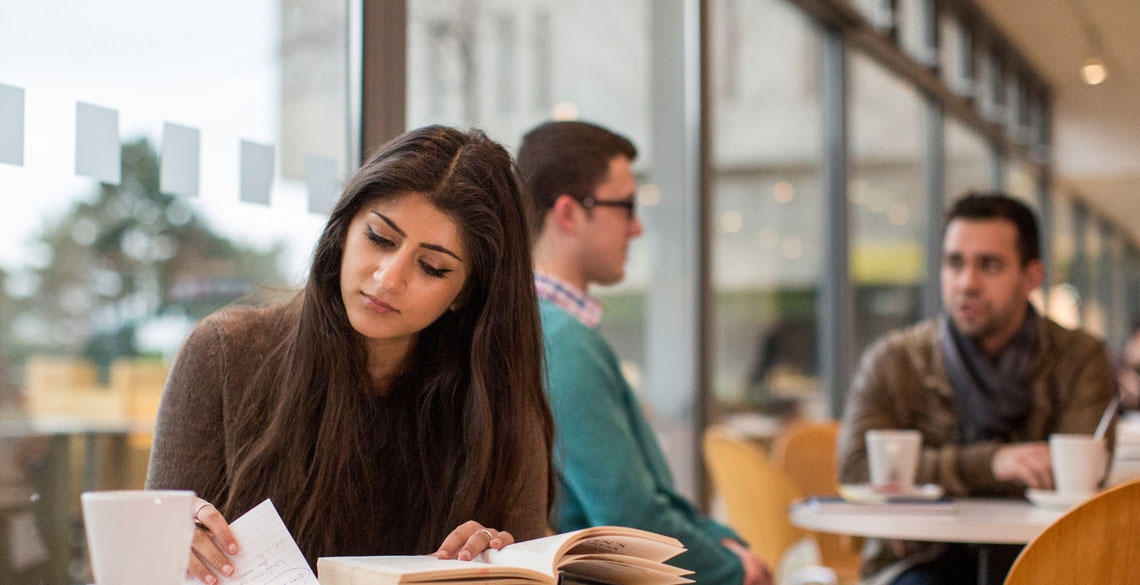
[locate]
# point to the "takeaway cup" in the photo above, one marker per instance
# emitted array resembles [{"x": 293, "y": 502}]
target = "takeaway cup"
[
  {"x": 139, "y": 537},
  {"x": 893, "y": 458}
]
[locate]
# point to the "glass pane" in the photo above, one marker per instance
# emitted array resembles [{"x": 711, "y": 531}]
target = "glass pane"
[
  {"x": 913, "y": 20},
  {"x": 1063, "y": 299},
  {"x": 767, "y": 211},
  {"x": 1114, "y": 278},
  {"x": 1093, "y": 308},
  {"x": 955, "y": 54},
  {"x": 102, "y": 280},
  {"x": 887, "y": 201},
  {"x": 1021, "y": 182},
  {"x": 587, "y": 60},
  {"x": 968, "y": 161}
]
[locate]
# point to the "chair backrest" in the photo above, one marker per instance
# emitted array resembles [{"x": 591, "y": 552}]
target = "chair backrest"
[
  {"x": 806, "y": 453},
  {"x": 756, "y": 495},
  {"x": 1092, "y": 543}
]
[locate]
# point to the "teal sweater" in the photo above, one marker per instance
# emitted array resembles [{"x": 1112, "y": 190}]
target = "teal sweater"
[{"x": 610, "y": 468}]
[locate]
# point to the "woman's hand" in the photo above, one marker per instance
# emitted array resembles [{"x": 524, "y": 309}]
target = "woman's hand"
[
  {"x": 470, "y": 539},
  {"x": 213, "y": 541},
  {"x": 756, "y": 571}
]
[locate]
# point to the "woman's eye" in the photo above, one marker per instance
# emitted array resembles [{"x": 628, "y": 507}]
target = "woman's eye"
[
  {"x": 378, "y": 240},
  {"x": 433, "y": 271}
]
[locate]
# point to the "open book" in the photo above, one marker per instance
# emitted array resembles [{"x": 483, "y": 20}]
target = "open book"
[{"x": 602, "y": 554}]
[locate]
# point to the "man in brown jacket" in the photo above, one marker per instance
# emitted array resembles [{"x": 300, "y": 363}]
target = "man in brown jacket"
[{"x": 985, "y": 383}]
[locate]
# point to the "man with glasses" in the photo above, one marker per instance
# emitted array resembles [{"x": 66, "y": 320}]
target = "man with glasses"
[{"x": 610, "y": 468}]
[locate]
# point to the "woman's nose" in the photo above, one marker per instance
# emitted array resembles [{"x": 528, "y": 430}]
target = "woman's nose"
[{"x": 392, "y": 273}]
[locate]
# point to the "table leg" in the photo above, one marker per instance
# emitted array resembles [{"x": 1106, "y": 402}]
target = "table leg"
[{"x": 983, "y": 565}]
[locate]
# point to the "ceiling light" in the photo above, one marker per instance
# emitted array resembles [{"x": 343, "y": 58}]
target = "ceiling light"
[{"x": 1093, "y": 71}]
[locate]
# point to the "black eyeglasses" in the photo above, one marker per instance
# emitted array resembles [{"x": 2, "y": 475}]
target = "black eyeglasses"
[{"x": 629, "y": 205}]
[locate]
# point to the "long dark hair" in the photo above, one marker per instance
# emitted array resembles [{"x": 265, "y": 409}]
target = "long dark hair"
[{"x": 468, "y": 405}]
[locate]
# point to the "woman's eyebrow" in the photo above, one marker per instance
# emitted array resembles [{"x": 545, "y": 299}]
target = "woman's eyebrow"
[
  {"x": 390, "y": 223},
  {"x": 397, "y": 229},
  {"x": 438, "y": 248}
]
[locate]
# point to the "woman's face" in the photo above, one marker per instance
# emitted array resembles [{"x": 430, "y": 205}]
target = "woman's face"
[{"x": 403, "y": 266}]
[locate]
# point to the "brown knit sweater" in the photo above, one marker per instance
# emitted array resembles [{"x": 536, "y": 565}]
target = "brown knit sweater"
[{"x": 196, "y": 434}]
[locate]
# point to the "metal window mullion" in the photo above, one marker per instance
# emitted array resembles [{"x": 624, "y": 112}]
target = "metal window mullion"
[
  {"x": 998, "y": 162},
  {"x": 836, "y": 314},
  {"x": 934, "y": 137},
  {"x": 384, "y": 64},
  {"x": 1079, "y": 273},
  {"x": 1045, "y": 230},
  {"x": 354, "y": 97},
  {"x": 674, "y": 344}
]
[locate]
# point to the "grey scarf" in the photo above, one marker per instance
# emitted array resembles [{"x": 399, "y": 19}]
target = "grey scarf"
[{"x": 993, "y": 397}]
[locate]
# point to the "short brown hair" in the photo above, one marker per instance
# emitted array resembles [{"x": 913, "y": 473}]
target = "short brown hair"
[
  {"x": 996, "y": 205},
  {"x": 567, "y": 158}
]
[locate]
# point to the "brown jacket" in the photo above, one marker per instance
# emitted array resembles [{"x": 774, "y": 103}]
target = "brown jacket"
[{"x": 902, "y": 383}]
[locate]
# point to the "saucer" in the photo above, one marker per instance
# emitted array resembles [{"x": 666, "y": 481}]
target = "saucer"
[
  {"x": 863, "y": 493},
  {"x": 1051, "y": 500}
]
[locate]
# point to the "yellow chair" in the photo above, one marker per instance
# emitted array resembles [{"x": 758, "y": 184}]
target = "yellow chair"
[
  {"x": 756, "y": 495},
  {"x": 1092, "y": 543},
  {"x": 806, "y": 453}
]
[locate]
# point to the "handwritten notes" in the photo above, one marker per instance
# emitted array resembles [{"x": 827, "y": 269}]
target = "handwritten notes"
[{"x": 269, "y": 555}]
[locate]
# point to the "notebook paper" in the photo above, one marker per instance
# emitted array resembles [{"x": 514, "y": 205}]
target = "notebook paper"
[{"x": 268, "y": 555}]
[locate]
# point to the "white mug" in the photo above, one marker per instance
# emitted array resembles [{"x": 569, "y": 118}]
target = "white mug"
[
  {"x": 1079, "y": 463},
  {"x": 892, "y": 455},
  {"x": 139, "y": 537}
]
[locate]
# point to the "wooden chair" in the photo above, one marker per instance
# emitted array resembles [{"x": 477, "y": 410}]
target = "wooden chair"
[
  {"x": 1092, "y": 543},
  {"x": 806, "y": 453},
  {"x": 756, "y": 496}
]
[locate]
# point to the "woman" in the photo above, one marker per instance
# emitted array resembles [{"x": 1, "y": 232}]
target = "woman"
[{"x": 398, "y": 395}]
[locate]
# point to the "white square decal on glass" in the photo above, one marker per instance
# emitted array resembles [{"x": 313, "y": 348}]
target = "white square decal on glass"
[
  {"x": 320, "y": 177},
  {"x": 178, "y": 168},
  {"x": 98, "y": 153},
  {"x": 256, "y": 172},
  {"x": 11, "y": 125}
]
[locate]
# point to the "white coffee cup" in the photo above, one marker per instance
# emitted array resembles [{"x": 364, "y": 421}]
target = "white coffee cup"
[
  {"x": 1079, "y": 463},
  {"x": 139, "y": 537},
  {"x": 893, "y": 458}
]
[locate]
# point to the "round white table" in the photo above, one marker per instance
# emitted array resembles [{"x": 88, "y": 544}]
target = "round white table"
[
  {"x": 969, "y": 520},
  {"x": 972, "y": 520}
]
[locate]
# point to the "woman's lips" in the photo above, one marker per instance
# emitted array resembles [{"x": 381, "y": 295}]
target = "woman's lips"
[{"x": 377, "y": 305}]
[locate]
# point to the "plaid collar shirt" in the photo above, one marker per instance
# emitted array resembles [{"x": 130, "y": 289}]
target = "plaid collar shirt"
[{"x": 567, "y": 297}]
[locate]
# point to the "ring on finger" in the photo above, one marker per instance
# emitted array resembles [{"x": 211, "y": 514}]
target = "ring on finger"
[
  {"x": 199, "y": 509},
  {"x": 490, "y": 535}
]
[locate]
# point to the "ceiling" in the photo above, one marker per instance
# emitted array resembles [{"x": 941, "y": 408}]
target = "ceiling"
[{"x": 1096, "y": 128}]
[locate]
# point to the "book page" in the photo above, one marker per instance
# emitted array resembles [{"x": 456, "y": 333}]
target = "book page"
[
  {"x": 268, "y": 554},
  {"x": 544, "y": 554},
  {"x": 536, "y": 555},
  {"x": 633, "y": 561},
  {"x": 420, "y": 569},
  {"x": 621, "y": 572},
  {"x": 627, "y": 545}
]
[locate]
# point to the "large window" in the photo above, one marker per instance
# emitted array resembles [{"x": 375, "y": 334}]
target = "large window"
[
  {"x": 171, "y": 159},
  {"x": 768, "y": 209},
  {"x": 887, "y": 201},
  {"x": 593, "y": 61}
]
